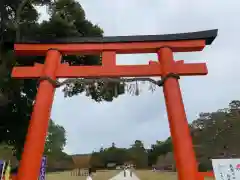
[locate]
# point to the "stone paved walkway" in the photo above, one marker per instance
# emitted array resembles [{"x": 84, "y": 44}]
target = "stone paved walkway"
[{"x": 120, "y": 176}]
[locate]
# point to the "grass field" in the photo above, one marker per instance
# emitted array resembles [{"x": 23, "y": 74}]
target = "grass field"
[
  {"x": 100, "y": 175},
  {"x": 149, "y": 175},
  {"x": 105, "y": 175}
]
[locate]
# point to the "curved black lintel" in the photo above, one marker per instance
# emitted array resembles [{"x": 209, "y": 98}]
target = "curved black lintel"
[{"x": 208, "y": 36}]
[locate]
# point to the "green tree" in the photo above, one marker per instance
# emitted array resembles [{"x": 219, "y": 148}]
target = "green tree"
[
  {"x": 54, "y": 145},
  {"x": 138, "y": 144},
  {"x": 56, "y": 138},
  {"x": 19, "y": 21},
  {"x": 161, "y": 148},
  {"x": 138, "y": 154},
  {"x": 216, "y": 134}
]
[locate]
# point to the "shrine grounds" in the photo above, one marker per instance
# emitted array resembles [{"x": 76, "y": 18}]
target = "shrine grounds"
[{"x": 105, "y": 175}]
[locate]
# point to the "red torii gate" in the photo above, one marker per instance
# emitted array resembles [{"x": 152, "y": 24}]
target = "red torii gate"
[{"x": 163, "y": 45}]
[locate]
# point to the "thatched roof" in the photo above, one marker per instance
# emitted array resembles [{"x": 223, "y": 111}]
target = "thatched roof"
[
  {"x": 160, "y": 160},
  {"x": 169, "y": 158},
  {"x": 165, "y": 160},
  {"x": 81, "y": 160}
]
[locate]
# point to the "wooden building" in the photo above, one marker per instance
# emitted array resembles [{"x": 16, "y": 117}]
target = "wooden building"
[
  {"x": 81, "y": 160},
  {"x": 165, "y": 163}
]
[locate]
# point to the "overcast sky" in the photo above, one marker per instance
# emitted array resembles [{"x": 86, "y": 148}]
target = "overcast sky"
[{"x": 90, "y": 125}]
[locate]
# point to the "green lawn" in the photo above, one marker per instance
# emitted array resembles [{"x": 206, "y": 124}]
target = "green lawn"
[
  {"x": 150, "y": 175},
  {"x": 105, "y": 175},
  {"x": 100, "y": 175}
]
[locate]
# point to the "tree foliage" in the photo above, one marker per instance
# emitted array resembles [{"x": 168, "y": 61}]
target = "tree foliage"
[
  {"x": 136, "y": 154},
  {"x": 56, "y": 139},
  {"x": 159, "y": 149},
  {"x": 55, "y": 142},
  {"x": 19, "y": 22},
  {"x": 215, "y": 135}
]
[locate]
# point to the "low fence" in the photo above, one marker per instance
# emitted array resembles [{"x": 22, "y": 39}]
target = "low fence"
[{"x": 79, "y": 172}]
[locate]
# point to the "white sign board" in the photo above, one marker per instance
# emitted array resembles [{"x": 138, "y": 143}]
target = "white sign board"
[{"x": 226, "y": 169}]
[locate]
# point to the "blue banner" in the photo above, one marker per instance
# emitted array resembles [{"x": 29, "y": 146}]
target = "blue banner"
[
  {"x": 1, "y": 168},
  {"x": 42, "y": 175}
]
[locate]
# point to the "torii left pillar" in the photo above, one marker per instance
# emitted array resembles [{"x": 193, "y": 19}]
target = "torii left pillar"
[{"x": 37, "y": 128}]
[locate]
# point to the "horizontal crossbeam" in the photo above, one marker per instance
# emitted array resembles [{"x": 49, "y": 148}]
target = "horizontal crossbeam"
[
  {"x": 119, "y": 48},
  {"x": 151, "y": 70}
]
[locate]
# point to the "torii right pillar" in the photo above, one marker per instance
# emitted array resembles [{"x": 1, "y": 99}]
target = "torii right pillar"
[{"x": 182, "y": 141}]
